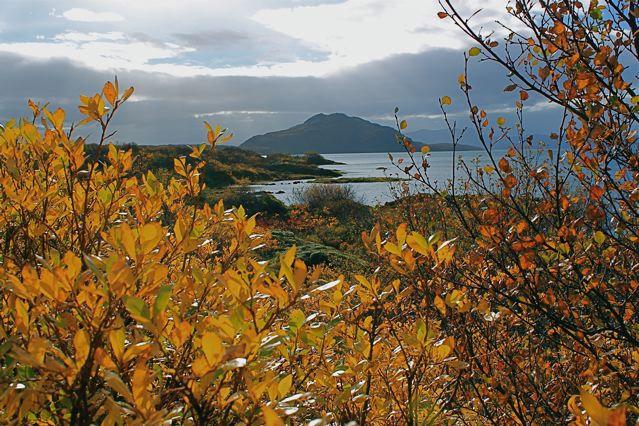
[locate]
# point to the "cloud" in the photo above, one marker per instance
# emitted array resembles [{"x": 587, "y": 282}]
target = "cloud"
[
  {"x": 214, "y": 38},
  {"x": 104, "y": 51},
  {"x": 251, "y": 38},
  {"x": 213, "y": 114},
  {"x": 84, "y": 15},
  {"x": 79, "y": 37},
  {"x": 171, "y": 110},
  {"x": 360, "y": 31}
]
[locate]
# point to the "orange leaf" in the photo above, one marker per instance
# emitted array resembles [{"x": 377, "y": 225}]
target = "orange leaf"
[{"x": 110, "y": 93}]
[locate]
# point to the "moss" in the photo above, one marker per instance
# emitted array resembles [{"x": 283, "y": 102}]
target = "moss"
[{"x": 314, "y": 254}]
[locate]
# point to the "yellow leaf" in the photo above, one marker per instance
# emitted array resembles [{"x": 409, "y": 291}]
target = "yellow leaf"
[
  {"x": 401, "y": 234},
  {"x": 285, "y": 385},
  {"x": 299, "y": 274},
  {"x": 200, "y": 366},
  {"x": 126, "y": 236},
  {"x": 116, "y": 383},
  {"x": 127, "y": 94},
  {"x": 440, "y": 305},
  {"x": 104, "y": 360},
  {"x": 440, "y": 351},
  {"x": 109, "y": 92},
  {"x": 289, "y": 256},
  {"x": 474, "y": 51},
  {"x": 58, "y": 118},
  {"x": 418, "y": 243},
  {"x": 392, "y": 248},
  {"x": 446, "y": 100},
  {"x": 180, "y": 333},
  {"x": 116, "y": 338},
  {"x": 82, "y": 344},
  {"x": 179, "y": 165},
  {"x": 597, "y": 412},
  {"x": 140, "y": 384},
  {"x": 22, "y": 315},
  {"x": 150, "y": 236},
  {"x": 425, "y": 149},
  {"x": 271, "y": 418},
  {"x": 226, "y": 138},
  {"x": 403, "y": 125},
  {"x": 501, "y": 121},
  {"x": 212, "y": 348}
]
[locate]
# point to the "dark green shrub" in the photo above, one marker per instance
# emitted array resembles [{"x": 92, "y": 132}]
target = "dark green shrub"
[{"x": 266, "y": 205}]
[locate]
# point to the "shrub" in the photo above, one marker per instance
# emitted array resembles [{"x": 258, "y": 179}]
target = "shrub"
[
  {"x": 546, "y": 266},
  {"x": 340, "y": 201},
  {"x": 263, "y": 204},
  {"x": 109, "y": 315}
]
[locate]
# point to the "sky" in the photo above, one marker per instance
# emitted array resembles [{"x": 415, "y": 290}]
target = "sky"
[{"x": 253, "y": 66}]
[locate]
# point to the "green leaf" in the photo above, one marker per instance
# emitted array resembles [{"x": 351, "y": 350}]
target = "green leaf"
[
  {"x": 162, "y": 300},
  {"x": 421, "y": 330},
  {"x": 474, "y": 51},
  {"x": 137, "y": 307},
  {"x": 296, "y": 319}
]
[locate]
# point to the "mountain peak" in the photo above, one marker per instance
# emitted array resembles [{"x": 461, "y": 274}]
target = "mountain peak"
[
  {"x": 327, "y": 133},
  {"x": 331, "y": 133},
  {"x": 322, "y": 116}
]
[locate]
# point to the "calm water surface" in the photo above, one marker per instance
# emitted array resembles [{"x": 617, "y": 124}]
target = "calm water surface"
[{"x": 377, "y": 165}]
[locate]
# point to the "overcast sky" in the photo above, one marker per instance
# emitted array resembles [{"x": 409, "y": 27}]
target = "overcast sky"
[{"x": 253, "y": 66}]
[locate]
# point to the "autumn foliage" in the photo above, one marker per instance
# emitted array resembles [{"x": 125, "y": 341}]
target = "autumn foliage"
[{"x": 126, "y": 300}]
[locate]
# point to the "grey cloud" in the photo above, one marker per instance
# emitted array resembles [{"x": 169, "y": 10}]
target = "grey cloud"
[
  {"x": 253, "y": 44},
  {"x": 168, "y": 115},
  {"x": 214, "y": 38}
]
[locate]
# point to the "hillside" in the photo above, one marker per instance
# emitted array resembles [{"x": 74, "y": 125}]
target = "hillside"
[
  {"x": 227, "y": 166},
  {"x": 332, "y": 133}
]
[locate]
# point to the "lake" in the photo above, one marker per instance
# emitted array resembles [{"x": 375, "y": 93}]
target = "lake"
[{"x": 365, "y": 165}]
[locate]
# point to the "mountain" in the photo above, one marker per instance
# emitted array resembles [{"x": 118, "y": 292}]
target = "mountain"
[
  {"x": 434, "y": 138},
  {"x": 332, "y": 133},
  {"x": 428, "y": 136}
]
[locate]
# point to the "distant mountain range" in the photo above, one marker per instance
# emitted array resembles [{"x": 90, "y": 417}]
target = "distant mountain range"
[
  {"x": 339, "y": 133},
  {"x": 442, "y": 137}
]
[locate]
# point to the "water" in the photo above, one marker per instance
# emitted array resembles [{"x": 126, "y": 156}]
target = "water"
[{"x": 365, "y": 165}]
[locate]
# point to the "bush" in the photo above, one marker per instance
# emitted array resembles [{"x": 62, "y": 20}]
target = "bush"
[
  {"x": 340, "y": 201},
  {"x": 111, "y": 316},
  {"x": 260, "y": 203},
  {"x": 316, "y": 159}
]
